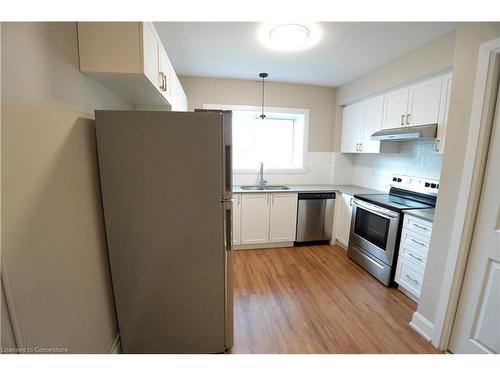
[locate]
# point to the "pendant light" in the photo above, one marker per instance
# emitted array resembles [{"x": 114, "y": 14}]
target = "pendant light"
[{"x": 263, "y": 76}]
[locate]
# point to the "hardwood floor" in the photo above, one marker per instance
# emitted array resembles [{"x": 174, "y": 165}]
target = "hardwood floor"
[{"x": 316, "y": 300}]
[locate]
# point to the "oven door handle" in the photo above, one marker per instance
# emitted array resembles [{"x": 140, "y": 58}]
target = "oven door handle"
[{"x": 370, "y": 208}]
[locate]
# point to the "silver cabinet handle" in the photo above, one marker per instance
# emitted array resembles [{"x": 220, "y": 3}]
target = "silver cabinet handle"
[
  {"x": 415, "y": 257},
  {"x": 161, "y": 80},
  {"x": 408, "y": 119},
  {"x": 361, "y": 147},
  {"x": 357, "y": 146},
  {"x": 402, "y": 120},
  {"x": 272, "y": 199},
  {"x": 268, "y": 199},
  {"x": 412, "y": 279},
  {"x": 350, "y": 202},
  {"x": 165, "y": 84},
  {"x": 418, "y": 242},
  {"x": 438, "y": 144},
  {"x": 420, "y": 227}
]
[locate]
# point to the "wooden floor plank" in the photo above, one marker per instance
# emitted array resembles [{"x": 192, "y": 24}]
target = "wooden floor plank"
[{"x": 314, "y": 299}]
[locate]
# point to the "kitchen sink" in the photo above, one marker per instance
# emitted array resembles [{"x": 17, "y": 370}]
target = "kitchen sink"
[
  {"x": 265, "y": 187},
  {"x": 253, "y": 187}
]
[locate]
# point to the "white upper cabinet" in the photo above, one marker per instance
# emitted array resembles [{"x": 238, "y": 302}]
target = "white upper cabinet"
[
  {"x": 373, "y": 116},
  {"x": 352, "y": 127},
  {"x": 283, "y": 217},
  {"x": 151, "y": 51},
  {"x": 165, "y": 75},
  {"x": 178, "y": 97},
  {"x": 359, "y": 122},
  {"x": 395, "y": 108},
  {"x": 423, "y": 102},
  {"x": 443, "y": 113},
  {"x": 129, "y": 59}
]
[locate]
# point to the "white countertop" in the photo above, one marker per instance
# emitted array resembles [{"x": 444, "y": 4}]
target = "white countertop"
[
  {"x": 347, "y": 189},
  {"x": 425, "y": 213}
]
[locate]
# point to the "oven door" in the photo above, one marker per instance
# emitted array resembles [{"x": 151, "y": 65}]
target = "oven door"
[{"x": 374, "y": 229}]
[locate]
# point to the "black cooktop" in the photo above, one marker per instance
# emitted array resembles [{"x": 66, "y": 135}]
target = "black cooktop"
[{"x": 393, "y": 202}]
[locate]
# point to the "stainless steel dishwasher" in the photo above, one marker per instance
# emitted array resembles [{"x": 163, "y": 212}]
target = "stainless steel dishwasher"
[{"x": 315, "y": 217}]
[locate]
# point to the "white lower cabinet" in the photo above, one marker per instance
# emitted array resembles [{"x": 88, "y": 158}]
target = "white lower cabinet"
[
  {"x": 237, "y": 219},
  {"x": 283, "y": 217},
  {"x": 342, "y": 218},
  {"x": 413, "y": 249},
  {"x": 261, "y": 218},
  {"x": 254, "y": 218}
]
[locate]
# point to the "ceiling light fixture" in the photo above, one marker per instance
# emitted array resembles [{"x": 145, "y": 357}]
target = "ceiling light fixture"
[{"x": 289, "y": 36}]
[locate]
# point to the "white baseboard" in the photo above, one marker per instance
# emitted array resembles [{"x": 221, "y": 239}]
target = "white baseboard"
[
  {"x": 262, "y": 246},
  {"x": 116, "y": 348},
  {"x": 422, "y": 326}
]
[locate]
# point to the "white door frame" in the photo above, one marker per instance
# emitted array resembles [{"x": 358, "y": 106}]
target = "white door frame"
[{"x": 480, "y": 125}]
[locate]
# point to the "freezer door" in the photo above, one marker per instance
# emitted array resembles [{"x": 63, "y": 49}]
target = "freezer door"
[
  {"x": 227, "y": 123},
  {"x": 161, "y": 179},
  {"x": 227, "y": 163}
]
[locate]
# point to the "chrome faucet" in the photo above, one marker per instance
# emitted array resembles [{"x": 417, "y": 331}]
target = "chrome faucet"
[{"x": 261, "y": 175}]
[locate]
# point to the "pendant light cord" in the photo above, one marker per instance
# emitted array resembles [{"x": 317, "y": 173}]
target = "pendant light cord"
[{"x": 263, "y": 76}]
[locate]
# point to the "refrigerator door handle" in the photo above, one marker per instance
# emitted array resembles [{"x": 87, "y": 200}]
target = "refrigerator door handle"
[
  {"x": 228, "y": 173},
  {"x": 228, "y": 225}
]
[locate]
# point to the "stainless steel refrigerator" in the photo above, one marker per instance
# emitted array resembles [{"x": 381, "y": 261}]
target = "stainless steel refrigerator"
[{"x": 166, "y": 182}]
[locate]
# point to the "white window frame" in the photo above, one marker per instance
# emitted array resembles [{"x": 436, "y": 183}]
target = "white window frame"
[{"x": 283, "y": 110}]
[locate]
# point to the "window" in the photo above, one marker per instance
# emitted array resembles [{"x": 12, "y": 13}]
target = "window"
[{"x": 278, "y": 141}]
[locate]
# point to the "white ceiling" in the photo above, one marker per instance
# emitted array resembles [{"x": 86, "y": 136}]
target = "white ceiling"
[{"x": 345, "y": 51}]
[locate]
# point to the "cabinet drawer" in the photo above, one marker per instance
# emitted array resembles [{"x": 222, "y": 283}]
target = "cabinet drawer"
[
  {"x": 409, "y": 276},
  {"x": 417, "y": 256},
  {"x": 415, "y": 240},
  {"x": 417, "y": 225}
]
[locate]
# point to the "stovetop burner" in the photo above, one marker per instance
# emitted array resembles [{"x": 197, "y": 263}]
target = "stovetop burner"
[
  {"x": 392, "y": 202},
  {"x": 406, "y": 193}
]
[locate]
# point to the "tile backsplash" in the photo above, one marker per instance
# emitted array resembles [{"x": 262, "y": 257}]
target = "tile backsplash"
[
  {"x": 368, "y": 170},
  {"x": 415, "y": 159}
]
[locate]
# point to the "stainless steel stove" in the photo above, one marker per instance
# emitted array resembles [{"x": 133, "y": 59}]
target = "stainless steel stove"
[{"x": 376, "y": 223}]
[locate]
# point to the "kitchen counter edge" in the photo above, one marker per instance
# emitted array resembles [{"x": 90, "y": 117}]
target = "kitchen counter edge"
[{"x": 346, "y": 189}]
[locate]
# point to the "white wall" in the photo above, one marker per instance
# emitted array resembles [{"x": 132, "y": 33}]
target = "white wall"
[
  {"x": 415, "y": 159},
  {"x": 54, "y": 256},
  {"x": 319, "y": 100},
  {"x": 469, "y": 37}
]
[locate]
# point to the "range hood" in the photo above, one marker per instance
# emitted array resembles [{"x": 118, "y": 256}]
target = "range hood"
[{"x": 406, "y": 133}]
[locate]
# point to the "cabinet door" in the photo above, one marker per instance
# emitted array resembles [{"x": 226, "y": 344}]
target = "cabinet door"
[
  {"x": 373, "y": 116},
  {"x": 344, "y": 218},
  {"x": 283, "y": 217},
  {"x": 165, "y": 74},
  {"x": 255, "y": 218},
  {"x": 395, "y": 108},
  {"x": 151, "y": 55},
  {"x": 443, "y": 113},
  {"x": 236, "y": 219},
  {"x": 352, "y": 127},
  {"x": 423, "y": 103}
]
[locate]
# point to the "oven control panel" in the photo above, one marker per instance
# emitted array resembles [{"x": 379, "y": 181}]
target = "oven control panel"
[{"x": 418, "y": 184}]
